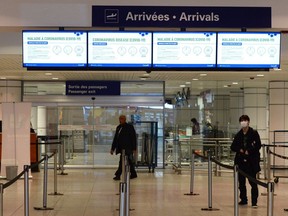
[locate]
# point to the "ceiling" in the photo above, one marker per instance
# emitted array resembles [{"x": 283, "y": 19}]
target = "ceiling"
[{"x": 11, "y": 69}]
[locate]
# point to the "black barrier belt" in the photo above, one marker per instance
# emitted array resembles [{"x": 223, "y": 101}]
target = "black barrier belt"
[
  {"x": 25, "y": 170},
  {"x": 201, "y": 156},
  {"x": 50, "y": 143},
  {"x": 263, "y": 184},
  {"x": 217, "y": 162},
  {"x": 275, "y": 145},
  {"x": 222, "y": 165},
  {"x": 14, "y": 179},
  {"x": 240, "y": 171},
  {"x": 280, "y": 156}
]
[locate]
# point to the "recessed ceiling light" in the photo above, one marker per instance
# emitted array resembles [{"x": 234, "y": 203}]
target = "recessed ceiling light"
[
  {"x": 3, "y": 78},
  {"x": 55, "y": 78},
  {"x": 203, "y": 74},
  {"x": 235, "y": 83},
  {"x": 182, "y": 86},
  {"x": 194, "y": 79},
  {"x": 143, "y": 78},
  {"x": 187, "y": 83},
  {"x": 145, "y": 75},
  {"x": 260, "y": 75},
  {"x": 48, "y": 74},
  {"x": 225, "y": 86}
]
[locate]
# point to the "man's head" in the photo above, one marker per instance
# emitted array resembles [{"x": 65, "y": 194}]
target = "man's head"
[
  {"x": 244, "y": 121},
  {"x": 193, "y": 120},
  {"x": 122, "y": 119}
]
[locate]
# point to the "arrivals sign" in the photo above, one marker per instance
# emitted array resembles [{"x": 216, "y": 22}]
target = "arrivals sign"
[{"x": 181, "y": 17}]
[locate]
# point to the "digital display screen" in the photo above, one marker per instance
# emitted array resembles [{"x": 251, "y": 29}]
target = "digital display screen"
[
  {"x": 119, "y": 49},
  {"x": 54, "y": 48},
  {"x": 248, "y": 50},
  {"x": 184, "y": 49}
]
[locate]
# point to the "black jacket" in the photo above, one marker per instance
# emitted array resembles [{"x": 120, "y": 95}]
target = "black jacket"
[
  {"x": 252, "y": 160},
  {"x": 124, "y": 138}
]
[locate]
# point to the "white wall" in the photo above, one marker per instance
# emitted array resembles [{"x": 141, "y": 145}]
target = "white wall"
[{"x": 78, "y": 13}]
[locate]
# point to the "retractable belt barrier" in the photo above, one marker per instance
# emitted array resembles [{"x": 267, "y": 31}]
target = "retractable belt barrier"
[
  {"x": 25, "y": 172},
  {"x": 124, "y": 187},
  {"x": 269, "y": 152},
  {"x": 269, "y": 186}
]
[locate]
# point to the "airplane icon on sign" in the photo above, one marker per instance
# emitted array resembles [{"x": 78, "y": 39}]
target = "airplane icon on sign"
[{"x": 111, "y": 16}]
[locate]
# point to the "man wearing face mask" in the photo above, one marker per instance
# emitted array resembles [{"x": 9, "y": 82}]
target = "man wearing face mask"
[{"x": 247, "y": 144}]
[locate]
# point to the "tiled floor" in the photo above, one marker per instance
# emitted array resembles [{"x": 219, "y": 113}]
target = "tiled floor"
[{"x": 90, "y": 192}]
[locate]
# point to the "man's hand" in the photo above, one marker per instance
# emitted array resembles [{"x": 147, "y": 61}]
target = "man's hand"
[{"x": 111, "y": 152}]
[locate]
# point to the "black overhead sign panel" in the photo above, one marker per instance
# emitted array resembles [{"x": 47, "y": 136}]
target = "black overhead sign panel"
[
  {"x": 90, "y": 87},
  {"x": 181, "y": 17}
]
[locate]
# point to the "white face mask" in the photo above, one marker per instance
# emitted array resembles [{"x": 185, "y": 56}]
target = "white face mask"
[{"x": 244, "y": 124}]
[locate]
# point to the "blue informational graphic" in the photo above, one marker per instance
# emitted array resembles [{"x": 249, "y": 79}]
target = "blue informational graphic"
[
  {"x": 119, "y": 49},
  {"x": 184, "y": 49},
  {"x": 248, "y": 50},
  {"x": 54, "y": 48}
]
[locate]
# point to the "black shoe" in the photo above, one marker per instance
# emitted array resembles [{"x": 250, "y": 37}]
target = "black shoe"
[
  {"x": 133, "y": 176},
  {"x": 254, "y": 205},
  {"x": 116, "y": 178},
  {"x": 242, "y": 202}
]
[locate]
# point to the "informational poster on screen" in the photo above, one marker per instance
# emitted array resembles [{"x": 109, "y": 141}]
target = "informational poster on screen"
[
  {"x": 248, "y": 50},
  {"x": 184, "y": 49},
  {"x": 54, "y": 49},
  {"x": 119, "y": 49}
]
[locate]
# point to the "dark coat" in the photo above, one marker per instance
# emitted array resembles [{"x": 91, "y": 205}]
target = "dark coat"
[
  {"x": 124, "y": 138},
  {"x": 252, "y": 160}
]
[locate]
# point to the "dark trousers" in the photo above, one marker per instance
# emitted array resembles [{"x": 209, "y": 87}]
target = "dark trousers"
[
  {"x": 243, "y": 190},
  {"x": 131, "y": 165}
]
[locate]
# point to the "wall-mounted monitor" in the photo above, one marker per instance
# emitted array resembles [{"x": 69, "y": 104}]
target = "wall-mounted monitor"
[
  {"x": 184, "y": 50},
  {"x": 54, "y": 49},
  {"x": 114, "y": 49},
  {"x": 248, "y": 50}
]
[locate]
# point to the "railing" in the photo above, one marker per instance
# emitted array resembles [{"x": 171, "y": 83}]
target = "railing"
[
  {"x": 269, "y": 185},
  {"x": 25, "y": 172}
]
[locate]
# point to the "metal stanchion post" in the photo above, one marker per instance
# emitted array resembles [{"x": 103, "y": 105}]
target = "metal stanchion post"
[
  {"x": 123, "y": 159},
  {"x": 268, "y": 167},
  {"x": 55, "y": 175},
  {"x": 122, "y": 198},
  {"x": 1, "y": 198},
  {"x": 45, "y": 186},
  {"x": 218, "y": 156},
  {"x": 209, "y": 185},
  {"x": 123, "y": 175},
  {"x": 270, "y": 198},
  {"x": 62, "y": 155},
  {"x": 26, "y": 190},
  {"x": 264, "y": 161},
  {"x": 236, "y": 205},
  {"x": 192, "y": 175},
  {"x": 127, "y": 201},
  {"x": 68, "y": 147}
]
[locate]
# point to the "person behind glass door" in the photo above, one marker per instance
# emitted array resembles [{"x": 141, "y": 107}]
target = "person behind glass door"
[
  {"x": 124, "y": 139},
  {"x": 195, "y": 126},
  {"x": 247, "y": 144}
]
